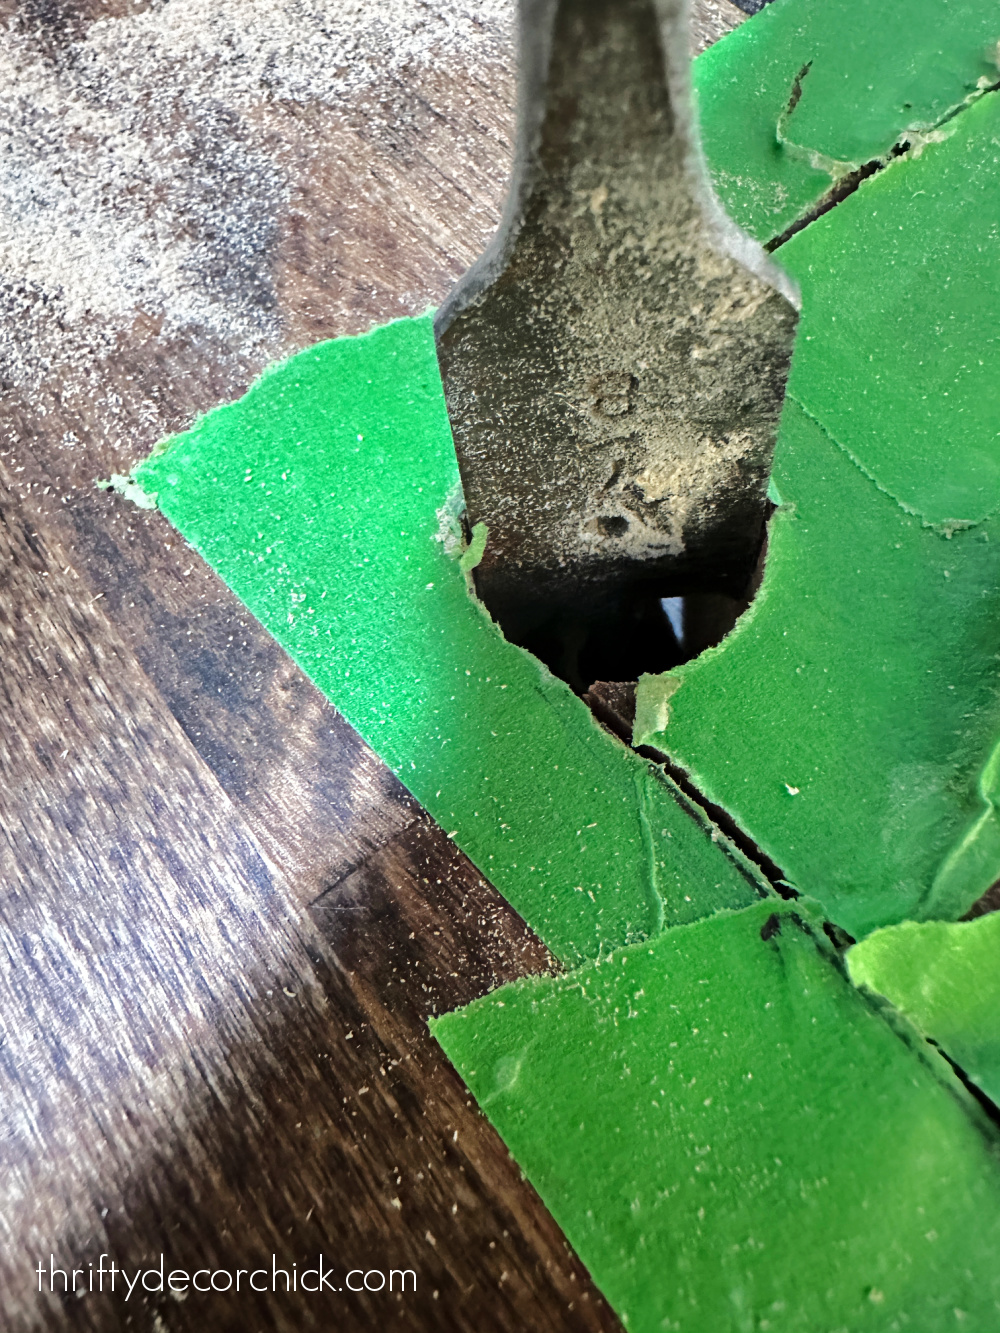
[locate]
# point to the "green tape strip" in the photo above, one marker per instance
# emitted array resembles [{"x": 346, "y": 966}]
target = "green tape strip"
[
  {"x": 944, "y": 976},
  {"x": 859, "y": 78},
  {"x": 733, "y": 1140},
  {"x": 326, "y": 498}
]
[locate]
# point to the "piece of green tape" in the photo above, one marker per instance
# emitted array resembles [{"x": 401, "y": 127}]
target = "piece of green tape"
[
  {"x": 945, "y": 976},
  {"x": 733, "y": 1140},
  {"x": 809, "y": 91},
  {"x": 849, "y": 723},
  {"x": 327, "y": 499}
]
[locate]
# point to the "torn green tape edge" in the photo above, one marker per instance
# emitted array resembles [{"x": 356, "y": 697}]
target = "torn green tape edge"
[
  {"x": 809, "y": 91},
  {"x": 325, "y": 499},
  {"x": 733, "y": 1140},
  {"x": 944, "y": 976},
  {"x": 849, "y": 722}
]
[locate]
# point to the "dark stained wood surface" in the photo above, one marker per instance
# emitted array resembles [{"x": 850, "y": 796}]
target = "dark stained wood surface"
[
  {"x": 219, "y": 1051},
  {"x": 223, "y": 922}
]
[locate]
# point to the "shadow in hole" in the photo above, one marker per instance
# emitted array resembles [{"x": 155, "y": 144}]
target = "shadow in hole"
[{"x": 649, "y": 627}]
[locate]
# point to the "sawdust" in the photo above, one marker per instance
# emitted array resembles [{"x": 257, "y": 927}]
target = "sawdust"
[{"x": 137, "y": 176}]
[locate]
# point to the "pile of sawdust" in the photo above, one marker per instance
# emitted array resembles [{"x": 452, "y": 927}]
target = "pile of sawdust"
[{"x": 136, "y": 170}]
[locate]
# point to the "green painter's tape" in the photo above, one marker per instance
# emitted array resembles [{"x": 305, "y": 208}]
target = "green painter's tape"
[
  {"x": 320, "y": 498},
  {"x": 847, "y": 720},
  {"x": 860, "y": 78},
  {"x": 850, "y": 721},
  {"x": 904, "y": 374},
  {"x": 945, "y": 977},
  {"x": 732, "y": 1140}
]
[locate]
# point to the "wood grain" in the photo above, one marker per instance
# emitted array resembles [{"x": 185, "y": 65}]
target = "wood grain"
[
  {"x": 191, "y": 1064},
  {"x": 336, "y": 210},
  {"x": 190, "y": 1061},
  {"x": 224, "y": 923}
]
